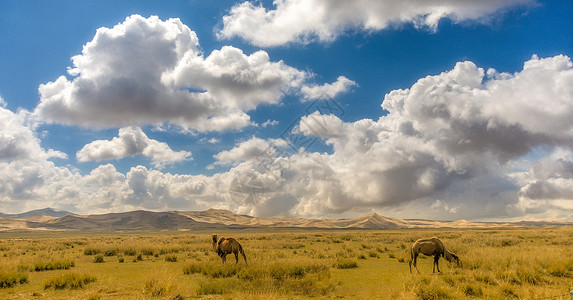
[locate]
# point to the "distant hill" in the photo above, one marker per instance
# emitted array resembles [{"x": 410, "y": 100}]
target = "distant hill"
[
  {"x": 217, "y": 218},
  {"x": 50, "y": 212}
]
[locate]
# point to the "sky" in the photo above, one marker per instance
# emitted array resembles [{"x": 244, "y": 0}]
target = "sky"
[{"x": 442, "y": 110}]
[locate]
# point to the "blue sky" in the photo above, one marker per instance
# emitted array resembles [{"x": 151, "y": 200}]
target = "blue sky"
[{"x": 451, "y": 110}]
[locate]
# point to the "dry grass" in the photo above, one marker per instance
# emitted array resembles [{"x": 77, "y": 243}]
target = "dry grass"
[{"x": 522, "y": 264}]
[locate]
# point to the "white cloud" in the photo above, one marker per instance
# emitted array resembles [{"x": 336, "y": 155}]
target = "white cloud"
[
  {"x": 440, "y": 141},
  {"x": 18, "y": 140},
  {"x": 131, "y": 141},
  {"x": 213, "y": 141},
  {"x": 237, "y": 79},
  {"x": 453, "y": 137},
  {"x": 304, "y": 21},
  {"x": 269, "y": 122},
  {"x": 328, "y": 90},
  {"x": 323, "y": 126},
  {"x": 149, "y": 71},
  {"x": 250, "y": 149}
]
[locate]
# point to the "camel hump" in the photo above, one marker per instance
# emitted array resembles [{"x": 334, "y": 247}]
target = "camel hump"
[{"x": 221, "y": 239}]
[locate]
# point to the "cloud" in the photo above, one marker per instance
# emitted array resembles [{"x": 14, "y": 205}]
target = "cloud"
[
  {"x": 328, "y": 90},
  {"x": 242, "y": 81},
  {"x": 443, "y": 139},
  {"x": 323, "y": 126},
  {"x": 447, "y": 148},
  {"x": 18, "y": 140},
  {"x": 250, "y": 149},
  {"x": 305, "y": 21},
  {"x": 149, "y": 71},
  {"x": 550, "y": 180},
  {"x": 270, "y": 122},
  {"x": 130, "y": 142}
]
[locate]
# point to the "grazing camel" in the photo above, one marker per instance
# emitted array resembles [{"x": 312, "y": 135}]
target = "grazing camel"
[
  {"x": 431, "y": 246},
  {"x": 224, "y": 246}
]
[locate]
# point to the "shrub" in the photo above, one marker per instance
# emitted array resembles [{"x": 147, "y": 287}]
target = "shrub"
[
  {"x": 192, "y": 269},
  {"x": 171, "y": 258},
  {"x": 111, "y": 252},
  {"x": 147, "y": 251},
  {"x": 69, "y": 281},
  {"x": 473, "y": 290},
  {"x": 156, "y": 288},
  {"x": 8, "y": 280},
  {"x": 216, "y": 287},
  {"x": 52, "y": 265},
  {"x": 98, "y": 259},
  {"x": 433, "y": 292},
  {"x": 92, "y": 251},
  {"x": 346, "y": 264},
  {"x": 129, "y": 252}
]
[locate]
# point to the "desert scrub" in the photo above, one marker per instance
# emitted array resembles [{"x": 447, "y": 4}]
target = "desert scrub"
[
  {"x": 217, "y": 287},
  {"x": 429, "y": 288},
  {"x": 50, "y": 265},
  {"x": 473, "y": 290},
  {"x": 346, "y": 264},
  {"x": 285, "y": 277},
  {"x": 171, "y": 258},
  {"x": 10, "y": 279},
  {"x": 98, "y": 259},
  {"x": 69, "y": 281},
  {"x": 92, "y": 251},
  {"x": 156, "y": 288}
]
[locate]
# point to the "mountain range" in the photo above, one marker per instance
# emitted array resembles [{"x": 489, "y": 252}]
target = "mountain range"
[{"x": 52, "y": 219}]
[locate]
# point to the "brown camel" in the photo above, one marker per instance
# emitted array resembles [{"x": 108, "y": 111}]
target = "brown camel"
[
  {"x": 431, "y": 246},
  {"x": 224, "y": 246}
]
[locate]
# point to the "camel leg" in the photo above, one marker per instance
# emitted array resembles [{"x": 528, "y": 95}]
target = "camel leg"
[
  {"x": 436, "y": 264},
  {"x": 411, "y": 259},
  {"x": 224, "y": 257},
  {"x": 416, "y": 263},
  {"x": 237, "y": 257}
]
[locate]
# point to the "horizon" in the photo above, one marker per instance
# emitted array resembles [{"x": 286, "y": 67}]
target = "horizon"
[
  {"x": 461, "y": 111},
  {"x": 281, "y": 217}
]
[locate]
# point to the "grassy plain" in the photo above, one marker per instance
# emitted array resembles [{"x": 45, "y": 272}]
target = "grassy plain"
[{"x": 535, "y": 263}]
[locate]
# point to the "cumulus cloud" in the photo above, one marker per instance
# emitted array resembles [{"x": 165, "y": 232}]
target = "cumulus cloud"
[
  {"x": 328, "y": 90},
  {"x": 446, "y": 149},
  {"x": 250, "y": 149},
  {"x": 304, "y": 21},
  {"x": 18, "y": 140},
  {"x": 150, "y": 71},
  {"x": 323, "y": 126},
  {"x": 130, "y": 142},
  {"x": 26, "y": 174}
]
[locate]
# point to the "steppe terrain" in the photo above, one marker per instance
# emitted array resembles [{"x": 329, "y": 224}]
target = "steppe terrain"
[{"x": 308, "y": 258}]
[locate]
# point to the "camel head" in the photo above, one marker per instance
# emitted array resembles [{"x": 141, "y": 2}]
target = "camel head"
[{"x": 452, "y": 258}]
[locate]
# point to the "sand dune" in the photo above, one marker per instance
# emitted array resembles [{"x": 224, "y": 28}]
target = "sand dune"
[{"x": 217, "y": 218}]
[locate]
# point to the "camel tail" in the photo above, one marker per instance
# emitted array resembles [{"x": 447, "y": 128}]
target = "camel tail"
[{"x": 242, "y": 252}]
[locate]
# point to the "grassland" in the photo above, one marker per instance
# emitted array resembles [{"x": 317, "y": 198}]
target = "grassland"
[{"x": 522, "y": 264}]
